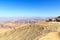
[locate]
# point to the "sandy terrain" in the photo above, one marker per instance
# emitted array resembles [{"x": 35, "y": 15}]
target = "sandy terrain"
[{"x": 37, "y": 31}]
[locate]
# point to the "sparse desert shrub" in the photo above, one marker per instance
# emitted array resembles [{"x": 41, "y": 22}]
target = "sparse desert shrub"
[{"x": 58, "y": 17}]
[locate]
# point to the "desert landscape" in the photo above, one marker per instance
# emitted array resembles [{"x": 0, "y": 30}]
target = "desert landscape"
[
  {"x": 30, "y": 29},
  {"x": 29, "y": 19}
]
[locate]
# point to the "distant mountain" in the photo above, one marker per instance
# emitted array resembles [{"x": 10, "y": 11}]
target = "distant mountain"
[
  {"x": 23, "y": 19},
  {"x": 30, "y": 20}
]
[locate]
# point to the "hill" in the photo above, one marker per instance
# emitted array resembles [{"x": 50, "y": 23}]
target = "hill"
[{"x": 30, "y": 31}]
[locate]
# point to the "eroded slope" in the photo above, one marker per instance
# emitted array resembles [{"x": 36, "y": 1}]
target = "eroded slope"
[{"x": 29, "y": 31}]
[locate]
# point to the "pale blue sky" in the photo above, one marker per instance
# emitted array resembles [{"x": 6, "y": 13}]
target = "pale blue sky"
[{"x": 29, "y": 8}]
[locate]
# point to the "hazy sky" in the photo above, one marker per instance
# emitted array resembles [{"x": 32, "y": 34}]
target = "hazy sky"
[{"x": 29, "y": 8}]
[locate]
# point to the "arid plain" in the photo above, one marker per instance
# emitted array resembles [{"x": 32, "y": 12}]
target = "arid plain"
[{"x": 29, "y": 30}]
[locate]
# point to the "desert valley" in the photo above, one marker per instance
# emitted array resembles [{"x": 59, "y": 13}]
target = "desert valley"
[{"x": 30, "y": 29}]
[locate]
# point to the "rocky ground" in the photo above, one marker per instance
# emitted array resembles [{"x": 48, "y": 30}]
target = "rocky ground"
[{"x": 35, "y": 31}]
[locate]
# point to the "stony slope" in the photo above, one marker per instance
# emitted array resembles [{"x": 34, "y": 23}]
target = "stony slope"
[
  {"x": 51, "y": 36},
  {"x": 38, "y": 31}
]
